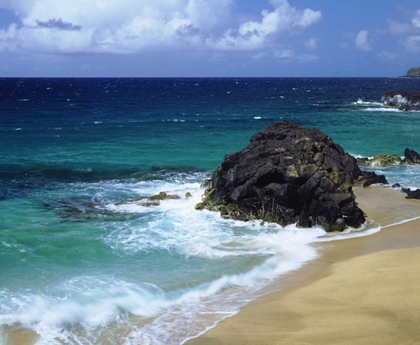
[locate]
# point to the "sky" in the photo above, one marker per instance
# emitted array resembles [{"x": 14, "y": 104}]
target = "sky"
[{"x": 209, "y": 38}]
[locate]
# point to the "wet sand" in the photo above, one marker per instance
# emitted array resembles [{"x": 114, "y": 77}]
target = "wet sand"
[{"x": 359, "y": 291}]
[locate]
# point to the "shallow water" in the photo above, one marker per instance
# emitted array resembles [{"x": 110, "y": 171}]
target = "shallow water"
[{"x": 83, "y": 262}]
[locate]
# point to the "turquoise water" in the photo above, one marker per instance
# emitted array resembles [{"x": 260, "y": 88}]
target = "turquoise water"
[{"x": 83, "y": 262}]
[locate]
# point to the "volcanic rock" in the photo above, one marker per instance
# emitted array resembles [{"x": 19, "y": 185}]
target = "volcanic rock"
[
  {"x": 369, "y": 178},
  {"x": 402, "y": 100},
  {"x": 411, "y": 194},
  {"x": 287, "y": 174},
  {"x": 411, "y": 157},
  {"x": 381, "y": 160}
]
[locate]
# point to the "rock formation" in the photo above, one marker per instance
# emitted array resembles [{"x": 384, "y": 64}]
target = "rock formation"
[
  {"x": 402, "y": 100},
  {"x": 411, "y": 157},
  {"x": 369, "y": 178},
  {"x": 288, "y": 174},
  {"x": 381, "y": 160},
  {"x": 413, "y": 72},
  {"x": 411, "y": 194}
]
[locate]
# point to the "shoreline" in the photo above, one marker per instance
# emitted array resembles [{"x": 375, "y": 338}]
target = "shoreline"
[{"x": 329, "y": 293}]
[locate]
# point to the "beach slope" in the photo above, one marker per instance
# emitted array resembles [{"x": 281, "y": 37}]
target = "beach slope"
[{"x": 359, "y": 291}]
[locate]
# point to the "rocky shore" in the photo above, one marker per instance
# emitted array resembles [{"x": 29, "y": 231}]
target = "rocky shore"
[
  {"x": 411, "y": 157},
  {"x": 402, "y": 100}
]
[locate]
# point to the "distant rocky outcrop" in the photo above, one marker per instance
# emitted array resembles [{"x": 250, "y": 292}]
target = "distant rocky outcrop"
[
  {"x": 402, "y": 100},
  {"x": 413, "y": 72},
  {"x": 411, "y": 157},
  {"x": 289, "y": 174}
]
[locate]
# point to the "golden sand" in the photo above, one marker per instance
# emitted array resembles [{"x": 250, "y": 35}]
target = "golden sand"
[{"x": 359, "y": 291}]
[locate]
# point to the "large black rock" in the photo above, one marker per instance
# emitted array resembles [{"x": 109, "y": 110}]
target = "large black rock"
[{"x": 287, "y": 174}]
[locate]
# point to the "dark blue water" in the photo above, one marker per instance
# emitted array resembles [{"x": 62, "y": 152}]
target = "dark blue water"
[{"x": 172, "y": 122}]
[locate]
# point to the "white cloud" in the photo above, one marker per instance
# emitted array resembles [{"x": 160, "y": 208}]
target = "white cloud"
[
  {"x": 387, "y": 56},
  {"x": 113, "y": 25},
  {"x": 131, "y": 26},
  {"x": 288, "y": 55},
  {"x": 307, "y": 58},
  {"x": 416, "y": 19},
  {"x": 398, "y": 29},
  {"x": 207, "y": 14},
  {"x": 256, "y": 34},
  {"x": 257, "y": 56},
  {"x": 361, "y": 41},
  {"x": 311, "y": 43},
  {"x": 412, "y": 44},
  {"x": 218, "y": 57}
]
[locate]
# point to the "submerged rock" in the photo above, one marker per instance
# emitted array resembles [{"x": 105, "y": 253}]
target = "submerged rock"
[
  {"x": 287, "y": 174},
  {"x": 154, "y": 200},
  {"x": 164, "y": 196}
]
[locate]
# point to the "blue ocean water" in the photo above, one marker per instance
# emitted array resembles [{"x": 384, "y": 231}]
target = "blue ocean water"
[{"x": 82, "y": 261}]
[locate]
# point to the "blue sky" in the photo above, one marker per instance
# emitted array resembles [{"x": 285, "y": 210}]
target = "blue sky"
[{"x": 208, "y": 38}]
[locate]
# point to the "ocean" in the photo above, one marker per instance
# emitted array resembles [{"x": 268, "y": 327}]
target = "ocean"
[{"x": 83, "y": 261}]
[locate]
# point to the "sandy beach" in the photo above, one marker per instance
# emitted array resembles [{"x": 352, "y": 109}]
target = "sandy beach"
[{"x": 359, "y": 291}]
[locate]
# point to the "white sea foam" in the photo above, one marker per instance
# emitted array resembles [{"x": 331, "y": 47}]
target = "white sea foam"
[
  {"x": 402, "y": 222},
  {"x": 91, "y": 307},
  {"x": 383, "y": 109},
  {"x": 18, "y": 247},
  {"x": 407, "y": 176},
  {"x": 361, "y": 102},
  {"x": 369, "y": 228},
  {"x": 356, "y": 155}
]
